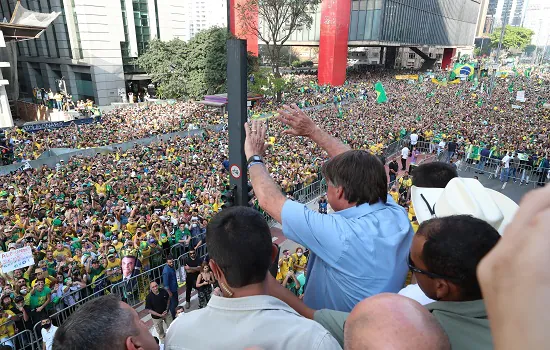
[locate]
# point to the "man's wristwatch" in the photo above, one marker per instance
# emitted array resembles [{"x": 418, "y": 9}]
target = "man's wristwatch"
[{"x": 254, "y": 160}]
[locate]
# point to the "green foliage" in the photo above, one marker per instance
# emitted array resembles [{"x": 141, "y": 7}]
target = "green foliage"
[
  {"x": 192, "y": 69},
  {"x": 514, "y": 38},
  {"x": 296, "y": 64},
  {"x": 267, "y": 84}
]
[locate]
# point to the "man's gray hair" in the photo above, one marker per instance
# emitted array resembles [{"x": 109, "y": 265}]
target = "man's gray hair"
[{"x": 101, "y": 323}]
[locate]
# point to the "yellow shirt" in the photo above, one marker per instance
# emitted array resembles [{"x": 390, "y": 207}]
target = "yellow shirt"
[
  {"x": 405, "y": 182},
  {"x": 111, "y": 265},
  {"x": 285, "y": 266},
  {"x": 6, "y": 330},
  {"x": 100, "y": 189},
  {"x": 302, "y": 261},
  {"x": 395, "y": 196},
  {"x": 132, "y": 227},
  {"x": 66, "y": 252}
]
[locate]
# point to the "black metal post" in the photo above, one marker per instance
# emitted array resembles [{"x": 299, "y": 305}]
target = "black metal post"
[
  {"x": 236, "y": 93},
  {"x": 229, "y": 16}
]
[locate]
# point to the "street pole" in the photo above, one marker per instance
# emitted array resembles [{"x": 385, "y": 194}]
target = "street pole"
[
  {"x": 497, "y": 58},
  {"x": 236, "y": 93}
]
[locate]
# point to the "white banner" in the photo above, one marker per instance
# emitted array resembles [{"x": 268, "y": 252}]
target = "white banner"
[
  {"x": 16, "y": 259},
  {"x": 520, "y": 96}
]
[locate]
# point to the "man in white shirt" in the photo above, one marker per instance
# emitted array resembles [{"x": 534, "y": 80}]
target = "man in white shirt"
[
  {"x": 505, "y": 163},
  {"x": 414, "y": 139},
  {"x": 241, "y": 252},
  {"x": 404, "y": 155},
  {"x": 48, "y": 333}
]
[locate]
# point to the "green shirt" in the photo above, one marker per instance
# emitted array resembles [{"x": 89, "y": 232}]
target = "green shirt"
[
  {"x": 96, "y": 272},
  {"x": 465, "y": 323},
  {"x": 39, "y": 298}
]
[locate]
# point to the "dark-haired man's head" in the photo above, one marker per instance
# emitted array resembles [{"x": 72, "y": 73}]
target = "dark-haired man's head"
[
  {"x": 445, "y": 253},
  {"x": 86, "y": 327},
  {"x": 354, "y": 178},
  {"x": 240, "y": 247},
  {"x": 433, "y": 175}
]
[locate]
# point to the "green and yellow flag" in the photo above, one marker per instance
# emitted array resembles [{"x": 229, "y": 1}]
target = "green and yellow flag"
[{"x": 380, "y": 93}]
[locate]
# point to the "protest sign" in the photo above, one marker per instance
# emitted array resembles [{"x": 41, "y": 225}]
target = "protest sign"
[
  {"x": 16, "y": 259},
  {"x": 520, "y": 96}
]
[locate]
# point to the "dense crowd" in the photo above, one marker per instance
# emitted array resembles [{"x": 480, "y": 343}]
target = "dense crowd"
[{"x": 85, "y": 215}]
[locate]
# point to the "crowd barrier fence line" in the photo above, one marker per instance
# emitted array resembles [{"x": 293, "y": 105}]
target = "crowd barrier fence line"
[
  {"x": 133, "y": 291},
  {"x": 23, "y": 340},
  {"x": 492, "y": 169}
]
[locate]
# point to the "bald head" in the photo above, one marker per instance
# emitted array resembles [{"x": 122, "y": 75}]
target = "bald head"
[{"x": 391, "y": 321}]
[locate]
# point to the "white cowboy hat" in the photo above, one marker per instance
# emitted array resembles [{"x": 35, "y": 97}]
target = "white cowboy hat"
[{"x": 464, "y": 196}]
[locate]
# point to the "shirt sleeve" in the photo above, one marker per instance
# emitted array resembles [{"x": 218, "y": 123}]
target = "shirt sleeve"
[
  {"x": 321, "y": 233},
  {"x": 333, "y": 321}
]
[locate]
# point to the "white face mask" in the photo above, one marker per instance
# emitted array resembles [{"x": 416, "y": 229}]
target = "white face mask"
[
  {"x": 23, "y": 291},
  {"x": 299, "y": 253}
]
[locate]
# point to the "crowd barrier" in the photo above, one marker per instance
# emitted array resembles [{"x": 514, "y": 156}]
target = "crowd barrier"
[
  {"x": 492, "y": 168},
  {"x": 133, "y": 291}
]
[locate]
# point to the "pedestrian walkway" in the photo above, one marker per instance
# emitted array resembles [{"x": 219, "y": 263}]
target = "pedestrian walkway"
[{"x": 146, "y": 318}]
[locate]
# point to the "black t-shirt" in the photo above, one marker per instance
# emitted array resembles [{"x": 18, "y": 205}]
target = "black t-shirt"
[
  {"x": 394, "y": 166},
  {"x": 193, "y": 263},
  {"x": 452, "y": 146},
  {"x": 157, "y": 302}
]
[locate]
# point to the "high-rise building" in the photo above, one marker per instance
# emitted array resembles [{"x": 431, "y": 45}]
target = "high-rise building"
[
  {"x": 537, "y": 18},
  {"x": 481, "y": 28},
  {"x": 508, "y": 12},
  {"x": 93, "y": 44}
]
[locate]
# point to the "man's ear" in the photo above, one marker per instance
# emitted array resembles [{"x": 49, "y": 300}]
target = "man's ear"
[
  {"x": 216, "y": 270},
  {"x": 442, "y": 288}
]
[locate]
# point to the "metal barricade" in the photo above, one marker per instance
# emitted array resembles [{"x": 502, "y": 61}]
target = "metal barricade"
[
  {"x": 521, "y": 174},
  {"x": 23, "y": 340},
  {"x": 134, "y": 290}
]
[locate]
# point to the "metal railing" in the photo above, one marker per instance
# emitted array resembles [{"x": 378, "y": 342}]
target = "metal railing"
[
  {"x": 132, "y": 291},
  {"x": 23, "y": 340},
  {"x": 492, "y": 168}
]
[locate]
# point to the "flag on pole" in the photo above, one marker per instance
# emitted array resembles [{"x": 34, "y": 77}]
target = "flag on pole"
[
  {"x": 511, "y": 87},
  {"x": 528, "y": 72},
  {"x": 380, "y": 93}
]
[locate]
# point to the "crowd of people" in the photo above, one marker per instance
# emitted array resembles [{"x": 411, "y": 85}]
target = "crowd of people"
[{"x": 93, "y": 221}]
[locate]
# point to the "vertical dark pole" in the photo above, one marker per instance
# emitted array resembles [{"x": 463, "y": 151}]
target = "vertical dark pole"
[
  {"x": 236, "y": 93},
  {"x": 229, "y": 16}
]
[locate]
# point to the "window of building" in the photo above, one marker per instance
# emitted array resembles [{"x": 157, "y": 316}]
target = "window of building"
[{"x": 412, "y": 55}]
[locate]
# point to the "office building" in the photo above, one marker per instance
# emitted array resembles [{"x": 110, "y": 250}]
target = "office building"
[
  {"x": 509, "y": 12},
  {"x": 339, "y": 24},
  {"x": 93, "y": 44},
  {"x": 537, "y": 18}
]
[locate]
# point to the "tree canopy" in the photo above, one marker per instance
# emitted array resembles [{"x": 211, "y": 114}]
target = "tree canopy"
[
  {"x": 514, "y": 38},
  {"x": 192, "y": 69},
  {"x": 278, "y": 20}
]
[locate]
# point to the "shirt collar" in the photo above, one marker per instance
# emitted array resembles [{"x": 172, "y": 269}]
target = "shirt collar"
[
  {"x": 474, "y": 308},
  {"x": 361, "y": 210},
  {"x": 255, "y": 302}
]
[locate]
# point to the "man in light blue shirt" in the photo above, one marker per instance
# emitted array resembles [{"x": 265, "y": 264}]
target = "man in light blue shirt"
[{"x": 361, "y": 249}]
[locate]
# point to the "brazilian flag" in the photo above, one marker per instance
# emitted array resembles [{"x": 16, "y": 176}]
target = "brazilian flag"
[{"x": 380, "y": 93}]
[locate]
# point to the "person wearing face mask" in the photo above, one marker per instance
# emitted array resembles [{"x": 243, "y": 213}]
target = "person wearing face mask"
[
  {"x": 48, "y": 333},
  {"x": 192, "y": 265},
  {"x": 114, "y": 274},
  {"x": 299, "y": 261}
]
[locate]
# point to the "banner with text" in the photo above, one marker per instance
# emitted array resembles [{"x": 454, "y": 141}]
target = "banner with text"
[{"x": 16, "y": 259}]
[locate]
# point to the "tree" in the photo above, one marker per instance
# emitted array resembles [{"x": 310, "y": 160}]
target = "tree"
[
  {"x": 280, "y": 18},
  {"x": 192, "y": 69},
  {"x": 514, "y": 38},
  {"x": 266, "y": 83}
]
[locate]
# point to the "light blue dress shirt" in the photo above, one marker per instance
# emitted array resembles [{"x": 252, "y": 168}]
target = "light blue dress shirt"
[{"x": 357, "y": 252}]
